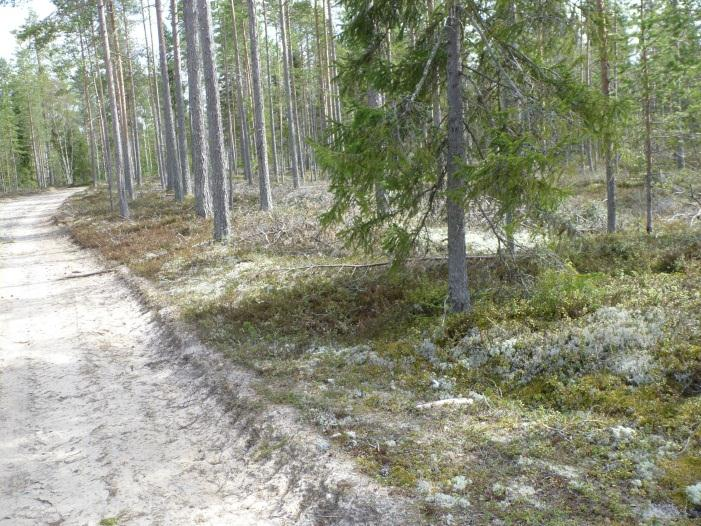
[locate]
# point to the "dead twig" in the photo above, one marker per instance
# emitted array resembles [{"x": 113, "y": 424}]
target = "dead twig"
[
  {"x": 356, "y": 266},
  {"x": 87, "y": 275}
]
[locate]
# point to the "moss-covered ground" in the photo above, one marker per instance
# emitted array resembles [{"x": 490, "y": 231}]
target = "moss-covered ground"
[{"x": 581, "y": 359}]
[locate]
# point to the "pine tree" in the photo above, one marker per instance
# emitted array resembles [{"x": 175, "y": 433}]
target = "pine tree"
[
  {"x": 217, "y": 181},
  {"x": 266, "y": 198},
  {"x": 200, "y": 166}
]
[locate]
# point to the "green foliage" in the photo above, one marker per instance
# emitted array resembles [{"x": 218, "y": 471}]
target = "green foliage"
[
  {"x": 325, "y": 308},
  {"x": 42, "y": 135},
  {"x": 666, "y": 251},
  {"x": 565, "y": 294},
  {"x": 513, "y": 162}
]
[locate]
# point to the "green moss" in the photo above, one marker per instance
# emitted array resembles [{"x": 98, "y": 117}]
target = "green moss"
[
  {"x": 402, "y": 477},
  {"x": 680, "y": 473}
]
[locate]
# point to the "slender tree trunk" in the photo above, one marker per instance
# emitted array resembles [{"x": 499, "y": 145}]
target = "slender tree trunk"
[
  {"x": 332, "y": 64},
  {"x": 320, "y": 66},
  {"x": 647, "y": 117},
  {"x": 200, "y": 167},
  {"x": 293, "y": 89},
  {"x": 44, "y": 147},
  {"x": 104, "y": 128},
  {"x": 220, "y": 201},
  {"x": 241, "y": 103},
  {"x": 88, "y": 107},
  {"x": 230, "y": 106},
  {"x": 607, "y": 138},
  {"x": 156, "y": 104},
  {"x": 35, "y": 150},
  {"x": 375, "y": 101},
  {"x": 172, "y": 159},
  {"x": 138, "y": 175},
  {"x": 122, "y": 102},
  {"x": 181, "y": 131},
  {"x": 266, "y": 198},
  {"x": 276, "y": 165},
  {"x": 591, "y": 161},
  {"x": 123, "y": 204},
  {"x": 292, "y": 131},
  {"x": 458, "y": 293}
]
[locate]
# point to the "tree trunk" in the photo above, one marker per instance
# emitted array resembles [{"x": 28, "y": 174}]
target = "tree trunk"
[
  {"x": 276, "y": 165},
  {"x": 230, "y": 105},
  {"x": 607, "y": 138},
  {"x": 458, "y": 293},
  {"x": 241, "y": 103},
  {"x": 320, "y": 67},
  {"x": 293, "y": 90},
  {"x": 104, "y": 131},
  {"x": 332, "y": 65},
  {"x": 122, "y": 103},
  {"x": 156, "y": 105},
  {"x": 200, "y": 167},
  {"x": 292, "y": 130},
  {"x": 181, "y": 131},
  {"x": 375, "y": 101},
  {"x": 123, "y": 204},
  {"x": 138, "y": 175},
  {"x": 266, "y": 198},
  {"x": 648, "y": 120},
  {"x": 172, "y": 160},
  {"x": 220, "y": 201},
  {"x": 88, "y": 107}
]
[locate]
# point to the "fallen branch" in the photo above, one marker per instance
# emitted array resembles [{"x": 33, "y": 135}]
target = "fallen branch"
[
  {"x": 87, "y": 275},
  {"x": 379, "y": 264}
]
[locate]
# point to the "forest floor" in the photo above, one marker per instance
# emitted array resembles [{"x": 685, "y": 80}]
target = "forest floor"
[
  {"x": 109, "y": 417},
  {"x": 578, "y": 370}
]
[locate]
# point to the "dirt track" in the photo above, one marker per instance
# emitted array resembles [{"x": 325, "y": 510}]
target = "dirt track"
[{"x": 95, "y": 421}]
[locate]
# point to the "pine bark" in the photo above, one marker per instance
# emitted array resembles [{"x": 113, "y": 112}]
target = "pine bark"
[
  {"x": 266, "y": 198},
  {"x": 291, "y": 127},
  {"x": 458, "y": 293},
  {"x": 121, "y": 102},
  {"x": 123, "y": 203},
  {"x": 332, "y": 65},
  {"x": 607, "y": 138},
  {"x": 92, "y": 143},
  {"x": 648, "y": 119},
  {"x": 276, "y": 165},
  {"x": 174, "y": 179},
  {"x": 136, "y": 143},
  {"x": 156, "y": 104},
  {"x": 181, "y": 131},
  {"x": 293, "y": 88},
  {"x": 220, "y": 201},
  {"x": 241, "y": 103},
  {"x": 200, "y": 167}
]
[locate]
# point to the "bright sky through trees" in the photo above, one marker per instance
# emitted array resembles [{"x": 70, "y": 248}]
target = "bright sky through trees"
[{"x": 12, "y": 18}]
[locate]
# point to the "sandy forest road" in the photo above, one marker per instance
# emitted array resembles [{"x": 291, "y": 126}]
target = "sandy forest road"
[
  {"x": 89, "y": 424},
  {"x": 96, "y": 422}
]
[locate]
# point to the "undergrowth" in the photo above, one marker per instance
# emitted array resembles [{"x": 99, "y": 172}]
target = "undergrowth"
[{"x": 582, "y": 359}]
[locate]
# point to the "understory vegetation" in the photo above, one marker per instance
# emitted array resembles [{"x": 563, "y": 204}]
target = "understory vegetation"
[{"x": 574, "y": 381}]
